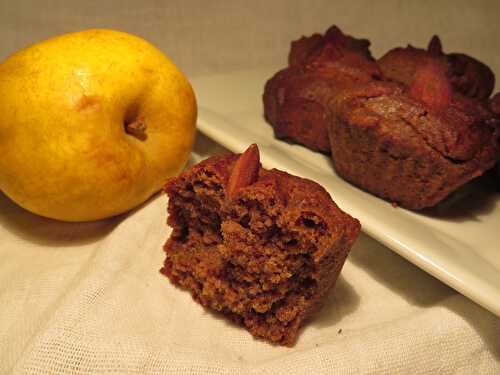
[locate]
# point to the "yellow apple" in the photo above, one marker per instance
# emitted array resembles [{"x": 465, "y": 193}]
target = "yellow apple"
[{"x": 92, "y": 123}]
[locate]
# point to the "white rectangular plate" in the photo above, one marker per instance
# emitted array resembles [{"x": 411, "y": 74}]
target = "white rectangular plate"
[{"x": 460, "y": 246}]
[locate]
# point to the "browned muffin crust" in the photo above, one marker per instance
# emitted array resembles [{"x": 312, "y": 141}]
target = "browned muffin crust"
[
  {"x": 398, "y": 148},
  {"x": 296, "y": 98},
  {"x": 467, "y": 75},
  {"x": 305, "y": 48},
  {"x": 265, "y": 255}
]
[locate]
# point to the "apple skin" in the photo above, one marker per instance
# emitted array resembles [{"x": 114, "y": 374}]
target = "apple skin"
[{"x": 64, "y": 108}]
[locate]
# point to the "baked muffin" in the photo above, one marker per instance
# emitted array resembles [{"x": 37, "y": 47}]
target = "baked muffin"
[
  {"x": 262, "y": 247},
  {"x": 296, "y": 98},
  {"x": 303, "y": 49},
  {"x": 412, "y": 145},
  {"x": 467, "y": 75}
]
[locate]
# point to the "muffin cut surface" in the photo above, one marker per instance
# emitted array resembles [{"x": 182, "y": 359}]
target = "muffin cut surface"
[{"x": 264, "y": 248}]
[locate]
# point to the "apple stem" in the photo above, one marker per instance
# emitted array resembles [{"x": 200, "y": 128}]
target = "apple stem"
[{"x": 136, "y": 128}]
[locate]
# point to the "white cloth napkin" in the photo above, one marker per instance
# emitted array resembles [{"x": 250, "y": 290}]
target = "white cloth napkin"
[{"x": 88, "y": 299}]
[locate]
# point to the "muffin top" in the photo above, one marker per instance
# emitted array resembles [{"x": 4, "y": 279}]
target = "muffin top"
[
  {"x": 456, "y": 126},
  {"x": 305, "y": 48},
  {"x": 467, "y": 75}
]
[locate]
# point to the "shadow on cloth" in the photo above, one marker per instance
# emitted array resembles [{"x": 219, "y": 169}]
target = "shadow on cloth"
[
  {"x": 342, "y": 301},
  {"x": 402, "y": 277},
  {"x": 421, "y": 289},
  {"x": 485, "y": 323},
  {"x": 51, "y": 233},
  {"x": 205, "y": 147}
]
